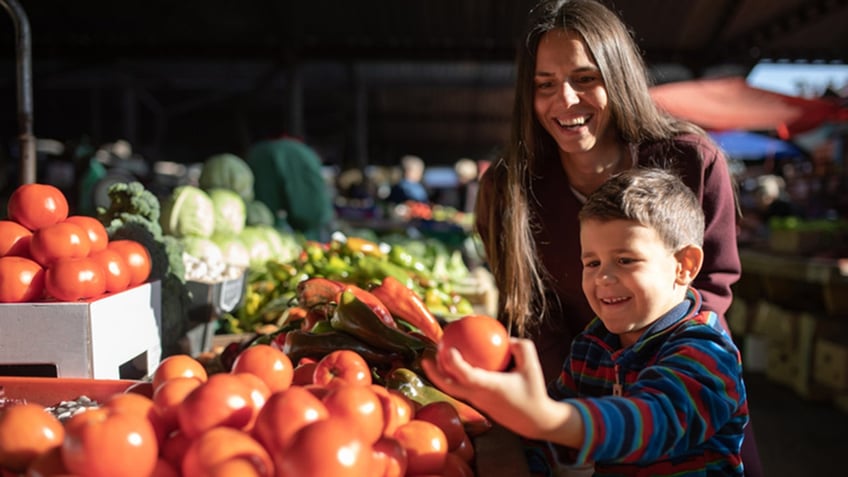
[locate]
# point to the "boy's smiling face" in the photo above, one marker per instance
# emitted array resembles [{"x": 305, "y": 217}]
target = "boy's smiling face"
[{"x": 630, "y": 278}]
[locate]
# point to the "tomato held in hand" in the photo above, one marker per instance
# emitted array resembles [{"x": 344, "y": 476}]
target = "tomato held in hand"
[
  {"x": 21, "y": 280},
  {"x": 72, "y": 279},
  {"x": 482, "y": 340},
  {"x": 93, "y": 228},
  {"x": 37, "y": 205},
  {"x": 62, "y": 240},
  {"x": 105, "y": 443},
  {"x": 137, "y": 258},
  {"x": 14, "y": 239}
]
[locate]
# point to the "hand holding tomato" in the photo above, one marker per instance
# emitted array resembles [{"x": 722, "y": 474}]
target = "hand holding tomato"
[
  {"x": 482, "y": 340},
  {"x": 517, "y": 399}
]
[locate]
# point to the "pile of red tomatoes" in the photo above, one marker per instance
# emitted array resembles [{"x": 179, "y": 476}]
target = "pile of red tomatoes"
[{"x": 47, "y": 255}]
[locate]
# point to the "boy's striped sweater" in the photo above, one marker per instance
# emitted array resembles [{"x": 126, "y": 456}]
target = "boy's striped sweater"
[{"x": 682, "y": 405}]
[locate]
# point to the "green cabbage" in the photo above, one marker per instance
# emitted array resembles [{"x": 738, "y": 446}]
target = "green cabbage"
[
  {"x": 259, "y": 214},
  {"x": 230, "y": 211},
  {"x": 188, "y": 211},
  {"x": 255, "y": 239},
  {"x": 233, "y": 249},
  {"x": 203, "y": 249},
  {"x": 227, "y": 171},
  {"x": 266, "y": 243}
]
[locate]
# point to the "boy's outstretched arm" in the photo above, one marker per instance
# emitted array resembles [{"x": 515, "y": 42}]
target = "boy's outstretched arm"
[{"x": 517, "y": 399}]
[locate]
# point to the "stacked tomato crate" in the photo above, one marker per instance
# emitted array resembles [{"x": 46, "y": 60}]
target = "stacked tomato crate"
[{"x": 72, "y": 302}]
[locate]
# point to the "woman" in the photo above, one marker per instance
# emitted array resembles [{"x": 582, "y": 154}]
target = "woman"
[{"x": 582, "y": 112}]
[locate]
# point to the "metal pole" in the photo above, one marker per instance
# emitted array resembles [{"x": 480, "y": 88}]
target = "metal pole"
[{"x": 24, "y": 77}]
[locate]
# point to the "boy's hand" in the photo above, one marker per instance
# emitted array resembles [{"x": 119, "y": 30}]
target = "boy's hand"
[{"x": 517, "y": 398}]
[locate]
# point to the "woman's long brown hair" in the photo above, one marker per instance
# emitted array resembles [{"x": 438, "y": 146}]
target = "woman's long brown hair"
[{"x": 511, "y": 249}]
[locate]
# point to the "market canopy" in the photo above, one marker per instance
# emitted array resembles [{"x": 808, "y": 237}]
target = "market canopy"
[
  {"x": 730, "y": 103},
  {"x": 751, "y": 146}
]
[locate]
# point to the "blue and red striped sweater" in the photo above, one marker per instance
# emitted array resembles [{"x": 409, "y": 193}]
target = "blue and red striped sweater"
[{"x": 682, "y": 405}]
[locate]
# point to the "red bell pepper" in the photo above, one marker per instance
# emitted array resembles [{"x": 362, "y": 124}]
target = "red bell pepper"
[{"x": 404, "y": 303}]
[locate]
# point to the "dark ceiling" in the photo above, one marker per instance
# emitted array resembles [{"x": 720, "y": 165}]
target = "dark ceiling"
[{"x": 365, "y": 81}]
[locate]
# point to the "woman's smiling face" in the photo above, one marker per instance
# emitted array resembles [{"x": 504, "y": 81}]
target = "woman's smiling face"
[{"x": 570, "y": 98}]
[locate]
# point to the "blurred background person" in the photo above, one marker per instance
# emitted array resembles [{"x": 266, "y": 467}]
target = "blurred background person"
[
  {"x": 289, "y": 181},
  {"x": 410, "y": 185},
  {"x": 466, "y": 175}
]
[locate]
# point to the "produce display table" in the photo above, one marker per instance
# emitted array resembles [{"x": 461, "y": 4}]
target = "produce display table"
[{"x": 810, "y": 283}]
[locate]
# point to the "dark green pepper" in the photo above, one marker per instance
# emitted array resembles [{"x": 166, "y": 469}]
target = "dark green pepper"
[
  {"x": 355, "y": 317},
  {"x": 413, "y": 386},
  {"x": 302, "y": 344}
]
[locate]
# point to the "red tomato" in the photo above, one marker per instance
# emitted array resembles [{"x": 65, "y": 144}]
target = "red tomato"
[
  {"x": 101, "y": 442},
  {"x": 389, "y": 458},
  {"x": 137, "y": 258},
  {"x": 48, "y": 464},
  {"x": 304, "y": 373},
  {"x": 426, "y": 447},
  {"x": 218, "y": 445},
  {"x": 26, "y": 431},
  {"x": 116, "y": 269},
  {"x": 455, "y": 466},
  {"x": 285, "y": 413},
  {"x": 37, "y": 205},
  {"x": 342, "y": 367},
  {"x": 268, "y": 363},
  {"x": 168, "y": 397},
  {"x": 259, "y": 393},
  {"x": 465, "y": 451},
  {"x": 223, "y": 400},
  {"x": 14, "y": 239},
  {"x": 360, "y": 407},
  {"x": 93, "y": 228},
  {"x": 174, "y": 448},
  {"x": 178, "y": 365},
  {"x": 21, "y": 280},
  {"x": 482, "y": 340},
  {"x": 325, "y": 448},
  {"x": 444, "y": 415},
  {"x": 72, "y": 279},
  {"x": 62, "y": 240},
  {"x": 139, "y": 405}
]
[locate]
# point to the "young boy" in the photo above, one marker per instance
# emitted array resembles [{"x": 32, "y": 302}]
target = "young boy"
[{"x": 653, "y": 386}]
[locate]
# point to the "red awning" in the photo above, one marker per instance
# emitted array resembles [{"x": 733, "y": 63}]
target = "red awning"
[{"x": 730, "y": 103}]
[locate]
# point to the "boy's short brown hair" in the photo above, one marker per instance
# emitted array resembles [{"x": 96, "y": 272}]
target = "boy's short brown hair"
[{"x": 654, "y": 198}]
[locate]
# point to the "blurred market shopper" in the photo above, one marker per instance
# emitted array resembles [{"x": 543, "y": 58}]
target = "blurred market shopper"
[
  {"x": 410, "y": 187},
  {"x": 582, "y": 113},
  {"x": 288, "y": 180}
]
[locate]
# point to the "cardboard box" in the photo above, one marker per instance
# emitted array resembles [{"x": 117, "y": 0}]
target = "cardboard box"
[{"x": 111, "y": 337}]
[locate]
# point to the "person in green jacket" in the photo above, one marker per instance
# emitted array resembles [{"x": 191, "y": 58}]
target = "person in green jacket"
[{"x": 288, "y": 178}]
